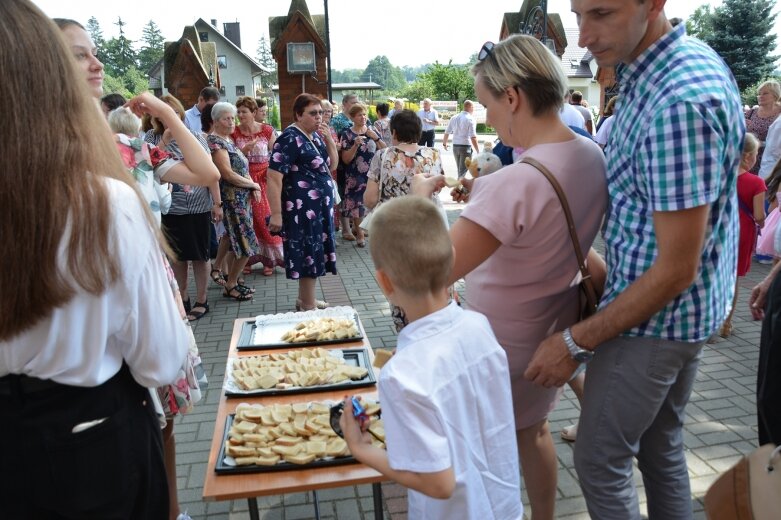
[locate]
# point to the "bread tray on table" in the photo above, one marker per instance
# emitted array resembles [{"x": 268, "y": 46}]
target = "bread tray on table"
[{"x": 267, "y": 330}]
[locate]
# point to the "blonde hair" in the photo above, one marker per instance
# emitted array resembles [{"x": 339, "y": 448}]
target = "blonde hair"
[
  {"x": 172, "y": 102},
  {"x": 356, "y": 108},
  {"x": 122, "y": 121},
  {"x": 773, "y": 86},
  {"x": 523, "y": 62},
  {"x": 411, "y": 244},
  {"x": 750, "y": 143},
  {"x": 61, "y": 180}
]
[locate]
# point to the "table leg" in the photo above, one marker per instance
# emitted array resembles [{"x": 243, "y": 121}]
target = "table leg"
[
  {"x": 252, "y": 505},
  {"x": 377, "y": 492},
  {"x": 317, "y": 505}
]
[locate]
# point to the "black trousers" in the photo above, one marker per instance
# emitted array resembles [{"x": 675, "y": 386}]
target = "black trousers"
[
  {"x": 427, "y": 138},
  {"x": 769, "y": 369},
  {"x": 114, "y": 470}
]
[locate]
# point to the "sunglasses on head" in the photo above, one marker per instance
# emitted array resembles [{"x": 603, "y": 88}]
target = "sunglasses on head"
[{"x": 485, "y": 51}]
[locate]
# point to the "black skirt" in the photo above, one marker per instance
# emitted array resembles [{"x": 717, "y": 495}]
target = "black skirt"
[{"x": 188, "y": 235}]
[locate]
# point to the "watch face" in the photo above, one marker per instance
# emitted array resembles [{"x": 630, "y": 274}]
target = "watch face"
[{"x": 583, "y": 356}]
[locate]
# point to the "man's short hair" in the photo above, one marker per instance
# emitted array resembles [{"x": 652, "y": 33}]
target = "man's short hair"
[
  {"x": 210, "y": 94},
  {"x": 468, "y": 103},
  {"x": 427, "y": 100},
  {"x": 411, "y": 244},
  {"x": 382, "y": 109},
  {"x": 349, "y": 98},
  {"x": 577, "y": 97}
]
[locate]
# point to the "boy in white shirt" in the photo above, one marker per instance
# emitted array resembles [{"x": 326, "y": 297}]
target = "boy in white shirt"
[{"x": 445, "y": 394}]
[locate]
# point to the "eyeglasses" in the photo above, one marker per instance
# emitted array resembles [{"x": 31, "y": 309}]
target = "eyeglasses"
[
  {"x": 485, "y": 51},
  {"x": 315, "y": 113}
]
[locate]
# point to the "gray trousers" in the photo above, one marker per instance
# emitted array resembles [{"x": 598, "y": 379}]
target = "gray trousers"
[
  {"x": 635, "y": 394},
  {"x": 461, "y": 152}
]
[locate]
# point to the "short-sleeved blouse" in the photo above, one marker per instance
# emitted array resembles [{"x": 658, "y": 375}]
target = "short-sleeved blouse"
[
  {"x": 260, "y": 152},
  {"x": 148, "y": 164},
  {"x": 393, "y": 168},
  {"x": 526, "y": 287},
  {"x": 759, "y": 127},
  {"x": 239, "y": 165}
]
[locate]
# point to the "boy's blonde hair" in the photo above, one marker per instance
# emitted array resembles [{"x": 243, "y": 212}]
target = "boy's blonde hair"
[
  {"x": 411, "y": 244},
  {"x": 750, "y": 143}
]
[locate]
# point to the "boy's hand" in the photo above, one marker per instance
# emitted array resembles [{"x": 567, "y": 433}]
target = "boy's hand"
[{"x": 354, "y": 432}]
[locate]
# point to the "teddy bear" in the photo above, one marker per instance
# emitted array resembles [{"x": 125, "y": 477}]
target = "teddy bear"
[{"x": 483, "y": 164}]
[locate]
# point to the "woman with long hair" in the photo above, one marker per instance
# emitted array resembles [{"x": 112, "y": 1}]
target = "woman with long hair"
[{"x": 79, "y": 341}]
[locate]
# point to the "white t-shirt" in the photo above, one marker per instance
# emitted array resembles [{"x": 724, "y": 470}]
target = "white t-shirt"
[
  {"x": 772, "y": 152},
  {"x": 463, "y": 128},
  {"x": 571, "y": 117},
  {"x": 446, "y": 403},
  {"x": 604, "y": 131},
  {"x": 586, "y": 113},
  {"x": 84, "y": 342}
]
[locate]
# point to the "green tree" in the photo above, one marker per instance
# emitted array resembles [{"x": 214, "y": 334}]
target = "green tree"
[
  {"x": 152, "y": 47},
  {"x": 113, "y": 85},
  {"x": 136, "y": 81},
  {"x": 700, "y": 23},
  {"x": 381, "y": 71},
  {"x": 120, "y": 55},
  {"x": 266, "y": 59},
  {"x": 419, "y": 89},
  {"x": 742, "y": 35},
  {"x": 93, "y": 28},
  {"x": 451, "y": 82}
]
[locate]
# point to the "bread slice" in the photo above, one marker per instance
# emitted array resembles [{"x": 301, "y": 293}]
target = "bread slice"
[
  {"x": 316, "y": 448},
  {"x": 287, "y": 451},
  {"x": 302, "y": 458},
  {"x": 336, "y": 447},
  {"x": 270, "y": 460}
]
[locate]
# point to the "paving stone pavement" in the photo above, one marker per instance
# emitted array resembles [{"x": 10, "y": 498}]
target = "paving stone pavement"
[{"x": 720, "y": 425}]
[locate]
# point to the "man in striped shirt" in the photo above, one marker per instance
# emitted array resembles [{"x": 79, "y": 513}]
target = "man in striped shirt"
[{"x": 671, "y": 243}]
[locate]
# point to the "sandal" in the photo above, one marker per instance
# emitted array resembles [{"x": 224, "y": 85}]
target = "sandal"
[
  {"x": 186, "y": 304},
  {"x": 218, "y": 278},
  {"x": 570, "y": 433},
  {"x": 236, "y": 293},
  {"x": 319, "y": 304},
  {"x": 348, "y": 236},
  {"x": 246, "y": 289},
  {"x": 247, "y": 270},
  {"x": 361, "y": 243},
  {"x": 196, "y": 315},
  {"x": 268, "y": 271}
]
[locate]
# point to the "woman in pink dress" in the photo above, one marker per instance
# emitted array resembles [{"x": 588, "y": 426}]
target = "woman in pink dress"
[
  {"x": 512, "y": 242},
  {"x": 255, "y": 140}
]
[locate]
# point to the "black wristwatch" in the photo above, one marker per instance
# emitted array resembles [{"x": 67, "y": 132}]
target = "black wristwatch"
[{"x": 579, "y": 354}]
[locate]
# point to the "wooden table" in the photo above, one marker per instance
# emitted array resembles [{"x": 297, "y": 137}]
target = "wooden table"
[{"x": 252, "y": 485}]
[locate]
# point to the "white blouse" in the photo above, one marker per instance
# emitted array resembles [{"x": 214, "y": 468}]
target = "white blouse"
[{"x": 84, "y": 342}]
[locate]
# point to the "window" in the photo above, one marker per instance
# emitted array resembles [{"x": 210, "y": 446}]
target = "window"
[
  {"x": 222, "y": 61},
  {"x": 203, "y": 36},
  {"x": 222, "y": 91},
  {"x": 240, "y": 90},
  {"x": 301, "y": 58}
]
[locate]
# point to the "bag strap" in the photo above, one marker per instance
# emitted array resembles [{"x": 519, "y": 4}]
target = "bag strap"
[{"x": 588, "y": 283}]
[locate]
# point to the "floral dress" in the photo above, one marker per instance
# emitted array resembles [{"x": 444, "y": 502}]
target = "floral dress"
[
  {"x": 382, "y": 127},
  {"x": 148, "y": 164},
  {"x": 307, "y": 204},
  {"x": 759, "y": 127},
  {"x": 392, "y": 169},
  {"x": 356, "y": 173},
  {"x": 237, "y": 213},
  {"x": 270, "y": 246}
]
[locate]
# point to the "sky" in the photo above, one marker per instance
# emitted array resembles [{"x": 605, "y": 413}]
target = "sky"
[{"x": 360, "y": 30}]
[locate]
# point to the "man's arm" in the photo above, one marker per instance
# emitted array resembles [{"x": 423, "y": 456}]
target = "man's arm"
[
  {"x": 680, "y": 236},
  {"x": 756, "y": 301}
]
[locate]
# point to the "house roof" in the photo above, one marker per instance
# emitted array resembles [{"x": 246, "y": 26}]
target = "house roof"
[
  {"x": 576, "y": 59},
  {"x": 277, "y": 24},
  {"x": 256, "y": 67}
]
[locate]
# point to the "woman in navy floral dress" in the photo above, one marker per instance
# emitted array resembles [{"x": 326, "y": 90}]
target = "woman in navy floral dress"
[{"x": 301, "y": 194}]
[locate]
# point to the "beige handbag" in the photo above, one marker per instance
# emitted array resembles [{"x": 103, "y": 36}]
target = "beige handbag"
[{"x": 750, "y": 490}]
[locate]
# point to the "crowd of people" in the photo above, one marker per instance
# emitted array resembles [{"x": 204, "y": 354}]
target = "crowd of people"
[{"x": 97, "y": 355}]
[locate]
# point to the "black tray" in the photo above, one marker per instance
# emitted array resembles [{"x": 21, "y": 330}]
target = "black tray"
[
  {"x": 223, "y": 469},
  {"x": 279, "y": 327},
  {"x": 356, "y": 357}
]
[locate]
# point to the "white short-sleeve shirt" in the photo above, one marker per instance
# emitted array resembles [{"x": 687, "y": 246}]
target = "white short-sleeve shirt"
[
  {"x": 463, "y": 128},
  {"x": 446, "y": 402},
  {"x": 571, "y": 117},
  {"x": 84, "y": 342}
]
